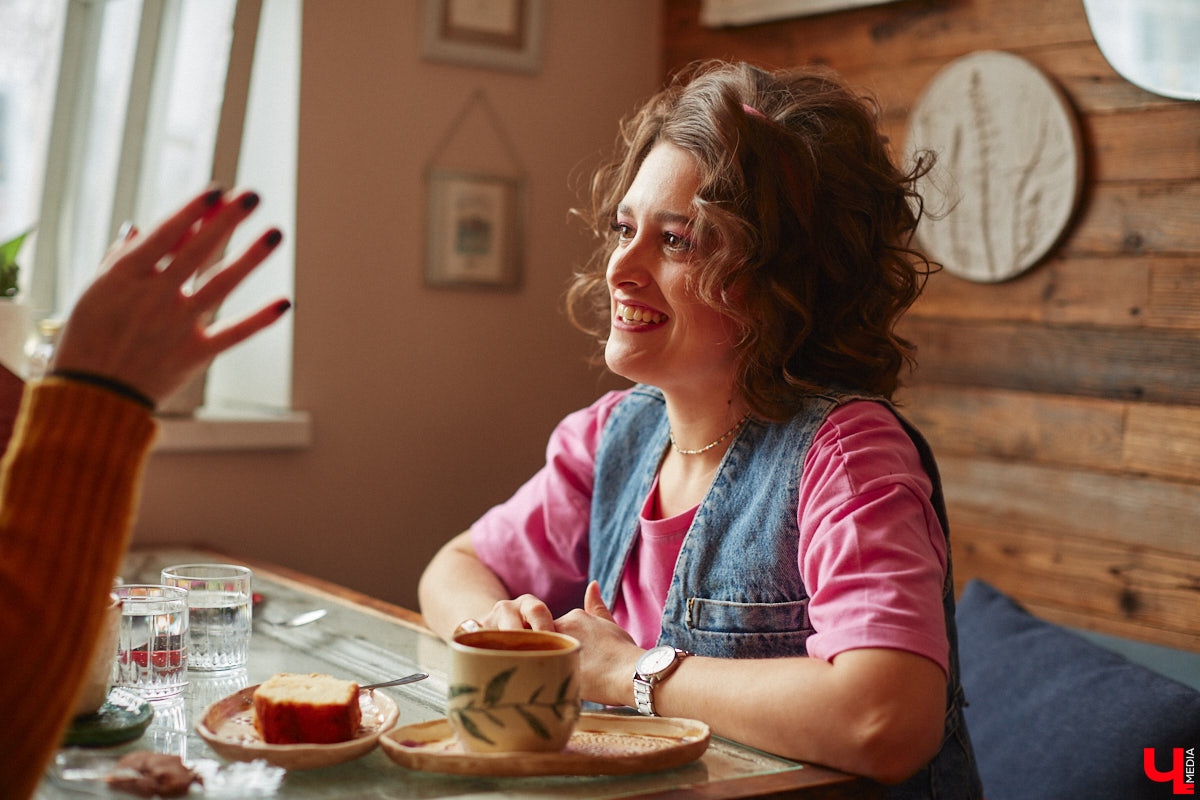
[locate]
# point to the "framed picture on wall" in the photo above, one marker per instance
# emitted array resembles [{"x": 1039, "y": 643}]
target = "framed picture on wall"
[
  {"x": 499, "y": 34},
  {"x": 474, "y": 230},
  {"x": 726, "y": 13}
]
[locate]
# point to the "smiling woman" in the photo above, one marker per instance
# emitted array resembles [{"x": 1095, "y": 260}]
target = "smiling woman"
[{"x": 753, "y": 519}]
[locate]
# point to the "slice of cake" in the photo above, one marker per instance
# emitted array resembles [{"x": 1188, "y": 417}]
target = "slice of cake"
[{"x": 316, "y": 709}]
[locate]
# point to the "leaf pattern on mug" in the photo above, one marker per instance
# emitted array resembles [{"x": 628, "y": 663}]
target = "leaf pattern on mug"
[
  {"x": 492, "y": 701},
  {"x": 533, "y": 722},
  {"x": 495, "y": 688},
  {"x": 470, "y": 727}
]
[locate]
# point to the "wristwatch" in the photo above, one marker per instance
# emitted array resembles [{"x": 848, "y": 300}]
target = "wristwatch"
[{"x": 652, "y": 669}]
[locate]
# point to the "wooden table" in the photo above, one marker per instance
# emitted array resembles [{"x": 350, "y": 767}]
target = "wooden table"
[{"x": 369, "y": 640}]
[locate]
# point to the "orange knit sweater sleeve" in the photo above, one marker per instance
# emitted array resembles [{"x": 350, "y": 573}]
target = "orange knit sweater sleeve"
[{"x": 69, "y": 485}]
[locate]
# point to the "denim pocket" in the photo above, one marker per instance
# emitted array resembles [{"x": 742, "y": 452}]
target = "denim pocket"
[{"x": 723, "y": 616}]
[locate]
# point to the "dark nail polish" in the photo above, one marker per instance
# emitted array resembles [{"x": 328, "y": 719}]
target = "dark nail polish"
[
  {"x": 282, "y": 306},
  {"x": 250, "y": 201},
  {"x": 273, "y": 237},
  {"x": 212, "y": 197}
]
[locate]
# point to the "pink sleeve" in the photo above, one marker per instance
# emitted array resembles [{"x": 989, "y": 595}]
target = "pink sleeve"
[
  {"x": 537, "y": 541},
  {"x": 872, "y": 552}
]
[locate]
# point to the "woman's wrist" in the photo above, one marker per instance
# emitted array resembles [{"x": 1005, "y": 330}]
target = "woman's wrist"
[{"x": 104, "y": 382}]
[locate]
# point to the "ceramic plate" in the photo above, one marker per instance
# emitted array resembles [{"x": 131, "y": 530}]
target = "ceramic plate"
[
  {"x": 602, "y": 744},
  {"x": 228, "y": 727}
]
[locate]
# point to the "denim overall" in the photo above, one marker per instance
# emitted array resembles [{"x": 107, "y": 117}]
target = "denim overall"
[{"x": 736, "y": 591}]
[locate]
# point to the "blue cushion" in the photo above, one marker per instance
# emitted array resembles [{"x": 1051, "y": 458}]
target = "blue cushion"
[{"x": 1054, "y": 716}]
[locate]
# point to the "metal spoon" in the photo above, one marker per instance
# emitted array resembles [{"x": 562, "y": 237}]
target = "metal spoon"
[
  {"x": 416, "y": 676},
  {"x": 299, "y": 619}
]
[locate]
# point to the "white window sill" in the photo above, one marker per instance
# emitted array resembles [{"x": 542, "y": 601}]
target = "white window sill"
[{"x": 229, "y": 429}]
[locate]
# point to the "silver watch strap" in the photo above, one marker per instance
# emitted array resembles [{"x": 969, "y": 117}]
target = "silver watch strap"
[{"x": 643, "y": 695}]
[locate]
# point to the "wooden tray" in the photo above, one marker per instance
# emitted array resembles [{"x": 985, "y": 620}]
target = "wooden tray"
[
  {"x": 228, "y": 727},
  {"x": 602, "y": 744}
]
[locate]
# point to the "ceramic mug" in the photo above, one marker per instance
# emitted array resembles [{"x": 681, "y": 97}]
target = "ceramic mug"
[
  {"x": 513, "y": 691},
  {"x": 98, "y": 678}
]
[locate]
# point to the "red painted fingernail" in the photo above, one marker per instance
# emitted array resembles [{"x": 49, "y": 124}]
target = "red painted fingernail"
[{"x": 273, "y": 237}]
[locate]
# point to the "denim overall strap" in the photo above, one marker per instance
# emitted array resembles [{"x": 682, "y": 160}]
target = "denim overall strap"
[
  {"x": 736, "y": 591},
  {"x": 631, "y": 448}
]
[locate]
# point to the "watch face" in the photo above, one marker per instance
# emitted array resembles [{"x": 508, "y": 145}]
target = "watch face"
[{"x": 655, "y": 660}]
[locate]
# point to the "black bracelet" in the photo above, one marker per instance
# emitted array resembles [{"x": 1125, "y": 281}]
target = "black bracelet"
[{"x": 114, "y": 386}]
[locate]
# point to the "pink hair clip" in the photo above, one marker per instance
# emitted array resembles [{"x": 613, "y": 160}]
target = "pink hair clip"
[{"x": 752, "y": 111}]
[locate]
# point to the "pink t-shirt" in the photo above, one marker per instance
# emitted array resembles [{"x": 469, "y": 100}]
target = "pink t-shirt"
[{"x": 872, "y": 554}]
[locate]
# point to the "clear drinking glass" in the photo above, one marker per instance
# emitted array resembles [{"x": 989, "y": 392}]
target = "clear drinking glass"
[
  {"x": 152, "y": 651},
  {"x": 219, "y": 613}
]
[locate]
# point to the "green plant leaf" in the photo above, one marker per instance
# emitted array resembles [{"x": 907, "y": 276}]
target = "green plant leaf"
[
  {"x": 9, "y": 249},
  {"x": 535, "y": 724},
  {"x": 495, "y": 688},
  {"x": 459, "y": 689},
  {"x": 8, "y": 264}
]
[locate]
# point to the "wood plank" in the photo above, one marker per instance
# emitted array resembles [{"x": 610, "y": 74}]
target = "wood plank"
[
  {"x": 1175, "y": 293},
  {"x": 1117, "y": 588},
  {"x": 1138, "y": 511},
  {"x": 1120, "y": 291},
  {"x": 1125, "y": 364},
  {"x": 1136, "y": 219},
  {"x": 1164, "y": 441},
  {"x": 1097, "y": 435},
  {"x": 1079, "y": 69},
  {"x": 1045, "y": 429},
  {"x": 1144, "y": 144},
  {"x": 892, "y": 34}
]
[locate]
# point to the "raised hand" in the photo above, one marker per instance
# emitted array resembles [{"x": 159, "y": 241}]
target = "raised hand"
[{"x": 137, "y": 324}]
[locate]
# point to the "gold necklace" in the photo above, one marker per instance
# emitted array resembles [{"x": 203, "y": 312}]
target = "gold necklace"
[{"x": 710, "y": 445}]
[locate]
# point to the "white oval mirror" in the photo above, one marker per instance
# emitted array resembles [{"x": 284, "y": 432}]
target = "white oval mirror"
[{"x": 1154, "y": 44}]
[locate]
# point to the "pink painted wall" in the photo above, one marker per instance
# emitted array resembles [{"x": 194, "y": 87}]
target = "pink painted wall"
[{"x": 428, "y": 405}]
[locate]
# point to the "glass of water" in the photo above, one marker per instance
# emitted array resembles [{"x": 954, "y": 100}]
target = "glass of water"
[
  {"x": 152, "y": 650},
  {"x": 219, "y": 613}
]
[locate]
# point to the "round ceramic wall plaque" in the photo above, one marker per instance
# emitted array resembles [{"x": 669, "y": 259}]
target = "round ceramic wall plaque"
[{"x": 1008, "y": 170}]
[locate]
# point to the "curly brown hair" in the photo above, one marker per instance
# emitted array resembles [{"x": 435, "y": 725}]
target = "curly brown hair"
[{"x": 803, "y": 222}]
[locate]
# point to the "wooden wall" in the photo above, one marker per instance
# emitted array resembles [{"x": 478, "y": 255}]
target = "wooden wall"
[{"x": 1064, "y": 405}]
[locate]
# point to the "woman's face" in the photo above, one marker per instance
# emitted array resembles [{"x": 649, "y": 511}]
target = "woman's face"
[{"x": 661, "y": 334}]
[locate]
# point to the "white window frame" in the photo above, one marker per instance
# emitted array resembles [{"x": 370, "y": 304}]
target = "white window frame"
[
  {"x": 188, "y": 426},
  {"x": 81, "y": 39}
]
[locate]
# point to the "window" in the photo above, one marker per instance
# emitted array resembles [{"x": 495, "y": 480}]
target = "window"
[{"x": 115, "y": 110}]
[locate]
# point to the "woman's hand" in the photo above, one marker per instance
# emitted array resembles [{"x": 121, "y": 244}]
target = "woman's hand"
[
  {"x": 608, "y": 655},
  {"x": 525, "y": 611},
  {"x": 137, "y": 325}
]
